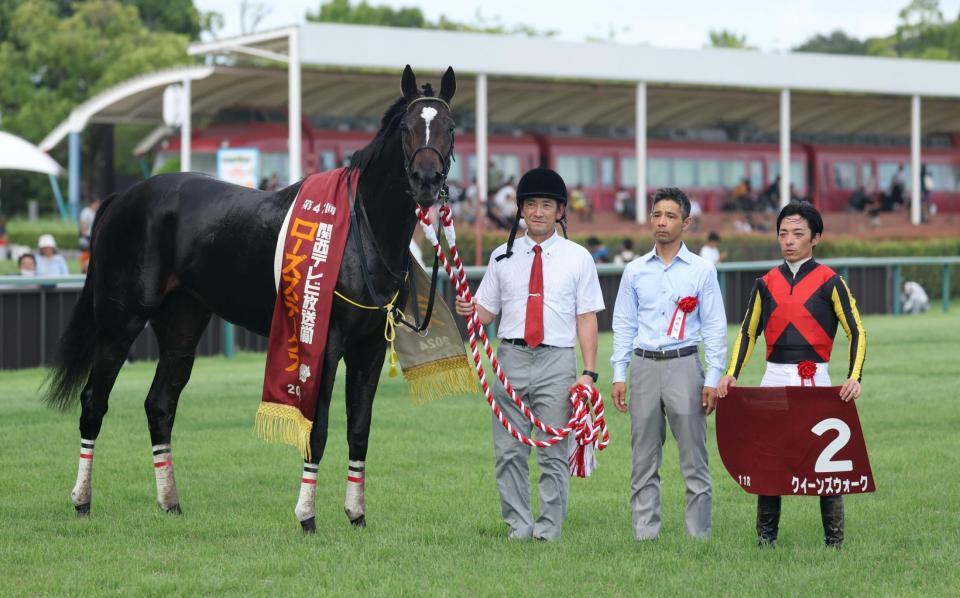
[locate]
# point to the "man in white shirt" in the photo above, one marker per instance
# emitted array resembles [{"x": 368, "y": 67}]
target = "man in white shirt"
[
  {"x": 546, "y": 290},
  {"x": 711, "y": 249},
  {"x": 913, "y": 299}
]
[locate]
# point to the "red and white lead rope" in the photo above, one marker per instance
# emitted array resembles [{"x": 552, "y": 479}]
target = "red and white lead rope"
[{"x": 590, "y": 433}]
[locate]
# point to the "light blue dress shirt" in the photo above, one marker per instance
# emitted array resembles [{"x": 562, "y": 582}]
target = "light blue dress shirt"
[{"x": 648, "y": 296}]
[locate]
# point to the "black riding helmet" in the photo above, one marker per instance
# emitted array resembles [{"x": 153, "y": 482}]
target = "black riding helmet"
[{"x": 538, "y": 182}]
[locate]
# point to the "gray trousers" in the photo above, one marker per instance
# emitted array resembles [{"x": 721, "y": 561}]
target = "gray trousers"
[
  {"x": 670, "y": 387},
  {"x": 542, "y": 377}
]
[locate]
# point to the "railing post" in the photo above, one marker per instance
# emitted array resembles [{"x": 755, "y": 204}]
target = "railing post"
[
  {"x": 946, "y": 288},
  {"x": 229, "y": 339},
  {"x": 723, "y": 283},
  {"x": 896, "y": 289}
]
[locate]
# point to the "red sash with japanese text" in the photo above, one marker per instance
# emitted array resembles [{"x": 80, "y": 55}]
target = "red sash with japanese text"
[
  {"x": 794, "y": 440},
  {"x": 313, "y": 239}
]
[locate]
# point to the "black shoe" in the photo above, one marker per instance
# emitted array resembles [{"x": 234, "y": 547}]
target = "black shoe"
[
  {"x": 831, "y": 513},
  {"x": 768, "y": 521}
]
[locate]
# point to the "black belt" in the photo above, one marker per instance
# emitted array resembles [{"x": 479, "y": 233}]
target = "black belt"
[
  {"x": 668, "y": 354},
  {"x": 522, "y": 343}
]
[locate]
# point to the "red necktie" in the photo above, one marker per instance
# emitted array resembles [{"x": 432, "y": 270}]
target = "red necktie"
[{"x": 533, "y": 327}]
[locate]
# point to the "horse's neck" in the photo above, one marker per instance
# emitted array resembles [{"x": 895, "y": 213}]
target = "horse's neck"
[{"x": 386, "y": 199}]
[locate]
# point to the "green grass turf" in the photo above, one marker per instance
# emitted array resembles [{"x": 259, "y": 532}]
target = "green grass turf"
[{"x": 432, "y": 505}]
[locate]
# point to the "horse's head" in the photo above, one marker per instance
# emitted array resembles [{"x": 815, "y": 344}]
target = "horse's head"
[{"x": 427, "y": 135}]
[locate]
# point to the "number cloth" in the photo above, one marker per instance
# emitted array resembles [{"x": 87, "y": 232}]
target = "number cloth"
[{"x": 794, "y": 440}]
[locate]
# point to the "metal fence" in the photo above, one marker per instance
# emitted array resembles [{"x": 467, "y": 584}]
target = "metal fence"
[{"x": 35, "y": 311}]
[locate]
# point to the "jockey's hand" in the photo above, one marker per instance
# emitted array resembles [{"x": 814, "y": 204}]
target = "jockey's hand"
[
  {"x": 708, "y": 399},
  {"x": 850, "y": 390},
  {"x": 619, "y": 395},
  {"x": 726, "y": 383},
  {"x": 464, "y": 308},
  {"x": 584, "y": 380}
]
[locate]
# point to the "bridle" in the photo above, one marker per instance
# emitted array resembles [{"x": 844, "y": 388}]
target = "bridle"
[{"x": 408, "y": 160}]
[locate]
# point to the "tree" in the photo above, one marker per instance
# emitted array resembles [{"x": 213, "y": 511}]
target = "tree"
[
  {"x": 51, "y": 60},
  {"x": 175, "y": 16},
  {"x": 837, "y": 42},
  {"x": 728, "y": 39}
]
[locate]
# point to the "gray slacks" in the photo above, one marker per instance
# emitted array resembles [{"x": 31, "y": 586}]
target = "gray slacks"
[
  {"x": 542, "y": 377},
  {"x": 671, "y": 388}
]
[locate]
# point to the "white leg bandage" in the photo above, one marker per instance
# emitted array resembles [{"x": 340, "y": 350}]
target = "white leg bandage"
[
  {"x": 306, "y": 502},
  {"x": 354, "y": 505},
  {"x": 167, "y": 496},
  {"x": 82, "y": 492}
]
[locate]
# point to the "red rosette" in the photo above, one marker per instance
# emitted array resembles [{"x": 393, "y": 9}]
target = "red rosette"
[
  {"x": 807, "y": 369},
  {"x": 687, "y": 304}
]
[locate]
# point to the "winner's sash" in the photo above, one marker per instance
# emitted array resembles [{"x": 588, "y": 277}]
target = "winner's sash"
[
  {"x": 795, "y": 440},
  {"x": 313, "y": 237}
]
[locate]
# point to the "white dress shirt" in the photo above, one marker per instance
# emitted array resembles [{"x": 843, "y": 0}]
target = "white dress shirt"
[{"x": 570, "y": 288}]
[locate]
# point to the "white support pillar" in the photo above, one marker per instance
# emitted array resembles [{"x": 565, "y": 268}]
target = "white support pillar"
[
  {"x": 915, "y": 183},
  {"x": 186, "y": 126},
  {"x": 640, "y": 137},
  {"x": 784, "y": 147},
  {"x": 294, "y": 146},
  {"x": 482, "y": 158}
]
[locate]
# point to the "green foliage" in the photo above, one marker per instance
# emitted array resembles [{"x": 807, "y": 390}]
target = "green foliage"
[
  {"x": 21, "y": 231},
  {"x": 364, "y": 13},
  {"x": 836, "y": 42},
  {"x": 728, "y": 39},
  {"x": 175, "y": 16},
  {"x": 433, "y": 515}
]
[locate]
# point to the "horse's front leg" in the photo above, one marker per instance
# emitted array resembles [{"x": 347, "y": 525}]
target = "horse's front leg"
[
  {"x": 306, "y": 501},
  {"x": 364, "y": 361}
]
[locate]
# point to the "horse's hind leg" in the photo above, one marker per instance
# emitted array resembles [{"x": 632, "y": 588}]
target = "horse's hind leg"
[
  {"x": 364, "y": 362},
  {"x": 114, "y": 337},
  {"x": 178, "y": 325}
]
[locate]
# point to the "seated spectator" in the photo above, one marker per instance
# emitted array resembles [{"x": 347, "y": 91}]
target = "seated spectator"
[
  {"x": 581, "y": 204},
  {"x": 711, "y": 250},
  {"x": 502, "y": 206},
  {"x": 599, "y": 251},
  {"x": 913, "y": 299},
  {"x": 27, "y": 264},
  {"x": 49, "y": 262},
  {"x": 696, "y": 211},
  {"x": 769, "y": 199},
  {"x": 741, "y": 198},
  {"x": 859, "y": 200},
  {"x": 626, "y": 254},
  {"x": 624, "y": 204}
]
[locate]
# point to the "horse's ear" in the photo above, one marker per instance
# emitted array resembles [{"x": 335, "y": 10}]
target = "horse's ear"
[
  {"x": 448, "y": 85},
  {"x": 408, "y": 84}
]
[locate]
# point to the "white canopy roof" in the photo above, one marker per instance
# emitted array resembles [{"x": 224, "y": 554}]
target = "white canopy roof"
[{"x": 20, "y": 154}]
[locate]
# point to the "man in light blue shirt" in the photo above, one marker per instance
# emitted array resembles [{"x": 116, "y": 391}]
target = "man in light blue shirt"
[{"x": 669, "y": 300}]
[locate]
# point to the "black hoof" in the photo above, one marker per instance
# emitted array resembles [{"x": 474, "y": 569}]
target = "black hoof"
[
  {"x": 83, "y": 510},
  {"x": 360, "y": 521},
  {"x": 174, "y": 510},
  {"x": 309, "y": 526}
]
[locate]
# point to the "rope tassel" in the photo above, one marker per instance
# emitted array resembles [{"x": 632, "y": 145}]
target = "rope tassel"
[{"x": 586, "y": 422}]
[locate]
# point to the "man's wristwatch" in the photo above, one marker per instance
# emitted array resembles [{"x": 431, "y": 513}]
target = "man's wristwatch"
[{"x": 593, "y": 375}]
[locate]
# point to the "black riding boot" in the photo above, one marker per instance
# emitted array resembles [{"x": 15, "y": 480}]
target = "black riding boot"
[
  {"x": 768, "y": 520},
  {"x": 831, "y": 513}
]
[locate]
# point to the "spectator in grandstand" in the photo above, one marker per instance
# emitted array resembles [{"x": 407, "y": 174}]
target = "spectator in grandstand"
[
  {"x": 624, "y": 204},
  {"x": 769, "y": 200},
  {"x": 926, "y": 186},
  {"x": 859, "y": 200},
  {"x": 581, "y": 204},
  {"x": 741, "y": 198},
  {"x": 502, "y": 207},
  {"x": 897, "y": 186},
  {"x": 50, "y": 262},
  {"x": 913, "y": 299},
  {"x": 599, "y": 251},
  {"x": 711, "y": 250},
  {"x": 696, "y": 211},
  {"x": 27, "y": 264},
  {"x": 626, "y": 254}
]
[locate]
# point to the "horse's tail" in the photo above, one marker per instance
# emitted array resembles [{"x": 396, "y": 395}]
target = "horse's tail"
[{"x": 78, "y": 344}]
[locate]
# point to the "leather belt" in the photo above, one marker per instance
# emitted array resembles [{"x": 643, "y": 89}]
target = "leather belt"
[
  {"x": 668, "y": 354},
  {"x": 522, "y": 343}
]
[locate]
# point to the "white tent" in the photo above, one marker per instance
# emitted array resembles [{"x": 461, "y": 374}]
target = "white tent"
[{"x": 20, "y": 154}]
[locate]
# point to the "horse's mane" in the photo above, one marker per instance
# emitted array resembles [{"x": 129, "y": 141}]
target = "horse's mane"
[{"x": 388, "y": 125}]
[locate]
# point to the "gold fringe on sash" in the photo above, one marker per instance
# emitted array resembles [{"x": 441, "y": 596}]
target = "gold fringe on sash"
[
  {"x": 436, "y": 379},
  {"x": 284, "y": 424}
]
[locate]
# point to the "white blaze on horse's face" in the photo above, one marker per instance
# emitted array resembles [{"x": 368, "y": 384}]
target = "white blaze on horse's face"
[{"x": 427, "y": 114}]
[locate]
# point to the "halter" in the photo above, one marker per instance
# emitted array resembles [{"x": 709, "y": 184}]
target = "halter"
[{"x": 408, "y": 160}]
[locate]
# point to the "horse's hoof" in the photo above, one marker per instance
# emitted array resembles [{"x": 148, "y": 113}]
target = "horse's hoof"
[
  {"x": 83, "y": 510},
  {"x": 360, "y": 521},
  {"x": 174, "y": 510},
  {"x": 309, "y": 526}
]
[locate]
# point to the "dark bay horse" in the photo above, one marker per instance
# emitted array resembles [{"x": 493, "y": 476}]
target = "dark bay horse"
[{"x": 176, "y": 248}]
